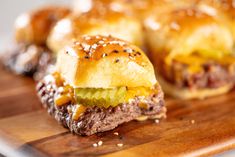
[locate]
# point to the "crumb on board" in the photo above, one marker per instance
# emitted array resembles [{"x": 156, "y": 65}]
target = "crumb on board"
[
  {"x": 120, "y": 144},
  {"x": 100, "y": 143},
  {"x": 156, "y": 121},
  {"x": 116, "y": 133}
]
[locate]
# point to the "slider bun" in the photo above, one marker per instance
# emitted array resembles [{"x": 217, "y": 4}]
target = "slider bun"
[
  {"x": 34, "y": 27},
  {"x": 131, "y": 7},
  {"x": 185, "y": 93},
  {"x": 137, "y": 8},
  {"x": 95, "y": 22},
  {"x": 104, "y": 62},
  {"x": 183, "y": 31},
  {"x": 224, "y": 10}
]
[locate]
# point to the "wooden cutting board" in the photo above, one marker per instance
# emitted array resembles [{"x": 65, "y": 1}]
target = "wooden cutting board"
[{"x": 192, "y": 128}]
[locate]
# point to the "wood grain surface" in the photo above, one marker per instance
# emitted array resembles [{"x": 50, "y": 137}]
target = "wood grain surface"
[{"x": 192, "y": 128}]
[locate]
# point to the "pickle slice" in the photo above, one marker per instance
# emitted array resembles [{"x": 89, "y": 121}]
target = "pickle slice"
[
  {"x": 213, "y": 54},
  {"x": 108, "y": 97},
  {"x": 100, "y": 97}
]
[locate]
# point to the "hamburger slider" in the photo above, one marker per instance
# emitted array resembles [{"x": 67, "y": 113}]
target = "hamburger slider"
[
  {"x": 99, "y": 20},
  {"x": 30, "y": 52},
  {"x": 192, "y": 53},
  {"x": 137, "y": 8},
  {"x": 99, "y": 83}
]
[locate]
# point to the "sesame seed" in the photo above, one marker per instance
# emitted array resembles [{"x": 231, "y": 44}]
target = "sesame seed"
[
  {"x": 95, "y": 145},
  {"x": 127, "y": 50},
  {"x": 116, "y": 133},
  {"x": 121, "y": 43},
  {"x": 174, "y": 26},
  {"x": 100, "y": 143},
  {"x": 86, "y": 47},
  {"x": 97, "y": 37},
  {"x": 117, "y": 60},
  {"x": 156, "y": 121},
  {"x": 87, "y": 37},
  {"x": 94, "y": 46},
  {"x": 120, "y": 144},
  {"x": 138, "y": 53},
  {"x": 101, "y": 42},
  {"x": 104, "y": 54},
  {"x": 115, "y": 51},
  {"x": 192, "y": 121},
  {"x": 131, "y": 56}
]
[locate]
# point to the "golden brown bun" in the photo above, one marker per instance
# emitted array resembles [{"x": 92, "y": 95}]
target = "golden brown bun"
[
  {"x": 95, "y": 22},
  {"x": 34, "y": 27},
  {"x": 137, "y": 8},
  {"x": 224, "y": 10},
  {"x": 185, "y": 93},
  {"x": 183, "y": 31},
  {"x": 104, "y": 62},
  {"x": 81, "y": 6}
]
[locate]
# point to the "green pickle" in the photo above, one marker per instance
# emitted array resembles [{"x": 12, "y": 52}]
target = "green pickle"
[
  {"x": 100, "y": 97},
  {"x": 108, "y": 97},
  {"x": 214, "y": 54}
]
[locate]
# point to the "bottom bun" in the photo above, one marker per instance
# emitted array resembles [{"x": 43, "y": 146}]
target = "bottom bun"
[{"x": 186, "y": 93}]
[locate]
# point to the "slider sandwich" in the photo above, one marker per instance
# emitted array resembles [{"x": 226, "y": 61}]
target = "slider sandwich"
[
  {"x": 30, "y": 53},
  {"x": 192, "y": 52},
  {"x": 137, "y": 8},
  {"x": 99, "y": 83},
  {"x": 223, "y": 10},
  {"x": 102, "y": 21}
]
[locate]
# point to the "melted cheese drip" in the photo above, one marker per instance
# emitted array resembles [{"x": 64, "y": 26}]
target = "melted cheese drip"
[
  {"x": 195, "y": 62},
  {"x": 77, "y": 111}
]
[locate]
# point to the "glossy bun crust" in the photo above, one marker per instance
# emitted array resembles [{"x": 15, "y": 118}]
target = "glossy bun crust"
[
  {"x": 95, "y": 22},
  {"x": 137, "y": 8},
  {"x": 104, "y": 62},
  {"x": 34, "y": 27},
  {"x": 222, "y": 9},
  {"x": 183, "y": 31}
]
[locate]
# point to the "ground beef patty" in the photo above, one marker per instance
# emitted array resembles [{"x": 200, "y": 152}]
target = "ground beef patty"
[
  {"x": 211, "y": 75},
  {"x": 96, "y": 119},
  {"x": 28, "y": 59}
]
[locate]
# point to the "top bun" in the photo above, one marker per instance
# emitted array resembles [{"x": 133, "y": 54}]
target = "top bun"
[
  {"x": 104, "y": 62},
  {"x": 34, "y": 27},
  {"x": 184, "y": 31},
  {"x": 95, "y": 22},
  {"x": 223, "y": 10},
  {"x": 138, "y": 8}
]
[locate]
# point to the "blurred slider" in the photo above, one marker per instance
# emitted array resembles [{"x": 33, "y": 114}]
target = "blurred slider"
[
  {"x": 192, "y": 52},
  {"x": 98, "y": 21},
  {"x": 137, "y": 8},
  {"x": 30, "y": 53},
  {"x": 101, "y": 82}
]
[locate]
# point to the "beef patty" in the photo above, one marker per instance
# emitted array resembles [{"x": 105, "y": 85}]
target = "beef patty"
[
  {"x": 30, "y": 60},
  {"x": 212, "y": 74},
  {"x": 96, "y": 119}
]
